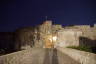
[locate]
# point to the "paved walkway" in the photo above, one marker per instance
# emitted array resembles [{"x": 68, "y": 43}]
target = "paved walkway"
[{"x": 52, "y": 56}]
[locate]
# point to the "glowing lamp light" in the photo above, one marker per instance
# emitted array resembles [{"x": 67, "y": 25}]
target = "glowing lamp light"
[{"x": 54, "y": 38}]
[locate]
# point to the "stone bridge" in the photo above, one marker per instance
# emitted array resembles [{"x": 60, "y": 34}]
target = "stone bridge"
[{"x": 38, "y": 56}]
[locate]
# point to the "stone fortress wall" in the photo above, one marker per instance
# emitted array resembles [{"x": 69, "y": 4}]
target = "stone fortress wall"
[
  {"x": 74, "y": 35},
  {"x": 88, "y": 36},
  {"x": 29, "y": 37},
  {"x": 66, "y": 36}
]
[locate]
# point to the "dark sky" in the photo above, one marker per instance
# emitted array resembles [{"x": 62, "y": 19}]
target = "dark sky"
[{"x": 21, "y": 13}]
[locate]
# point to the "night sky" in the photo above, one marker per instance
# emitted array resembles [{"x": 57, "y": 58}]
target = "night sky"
[{"x": 22, "y": 13}]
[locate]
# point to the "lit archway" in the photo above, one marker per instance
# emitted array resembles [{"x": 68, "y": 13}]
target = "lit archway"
[{"x": 50, "y": 41}]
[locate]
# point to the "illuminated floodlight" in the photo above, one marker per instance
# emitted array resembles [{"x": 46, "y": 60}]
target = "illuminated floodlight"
[{"x": 54, "y": 38}]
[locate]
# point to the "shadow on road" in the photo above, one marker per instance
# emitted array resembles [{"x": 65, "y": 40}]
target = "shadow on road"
[
  {"x": 55, "y": 57},
  {"x": 50, "y": 56}
]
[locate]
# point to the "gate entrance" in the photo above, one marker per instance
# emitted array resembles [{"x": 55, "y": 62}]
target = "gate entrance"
[{"x": 50, "y": 41}]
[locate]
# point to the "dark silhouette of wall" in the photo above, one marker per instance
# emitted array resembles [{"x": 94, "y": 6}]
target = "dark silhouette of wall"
[
  {"x": 84, "y": 41},
  {"x": 87, "y": 42},
  {"x": 6, "y": 42},
  {"x": 25, "y": 37}
]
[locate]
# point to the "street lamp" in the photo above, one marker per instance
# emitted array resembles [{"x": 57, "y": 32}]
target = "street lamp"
[{"x": 54, "y": 38}]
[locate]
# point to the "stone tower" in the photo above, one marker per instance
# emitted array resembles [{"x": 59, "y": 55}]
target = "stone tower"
[{"x": 46, "y": 33}]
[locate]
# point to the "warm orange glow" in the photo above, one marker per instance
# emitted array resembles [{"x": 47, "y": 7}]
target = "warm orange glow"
[
  {"x": 49, "y": 41},
  {"x": 54, "y": 38}
]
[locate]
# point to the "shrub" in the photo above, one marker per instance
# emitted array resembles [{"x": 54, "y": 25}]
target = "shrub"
[{"x": 82, "y": 48}]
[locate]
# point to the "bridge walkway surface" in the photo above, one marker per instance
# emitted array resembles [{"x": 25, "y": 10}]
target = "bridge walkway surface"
[
  {"x": 37, "y": 56},
  {"x": 52, "y": 56}
]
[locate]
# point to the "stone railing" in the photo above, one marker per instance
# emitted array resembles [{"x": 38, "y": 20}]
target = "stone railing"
[
  {"x": 32, "y": 56},
  {"x": 80, "y": 56}
]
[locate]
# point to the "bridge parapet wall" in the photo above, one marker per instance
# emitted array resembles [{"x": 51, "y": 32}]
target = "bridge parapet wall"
[{"x": 80, "y": 56}]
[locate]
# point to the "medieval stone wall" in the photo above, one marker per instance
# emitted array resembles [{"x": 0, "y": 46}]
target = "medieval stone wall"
[
  {"x": 68, "y": 37},
  {"x": 88, "y": 37},
  {"x": 28, "y": 37},
  {"x": 24, "y": 38}
]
